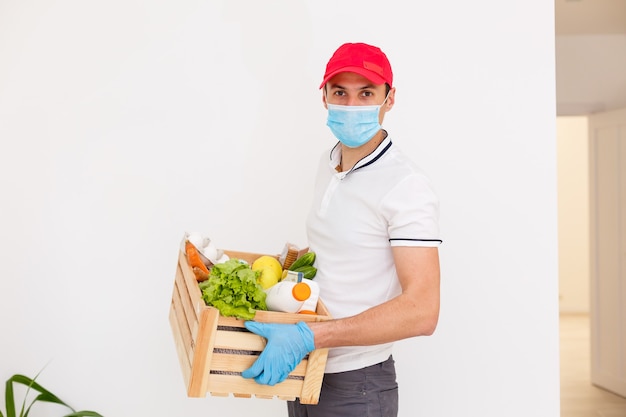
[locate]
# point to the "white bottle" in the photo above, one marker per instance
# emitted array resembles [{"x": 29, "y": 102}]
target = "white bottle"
[
  {"x": 310, "y": 305},
  {"x": 287, "y": 296}
]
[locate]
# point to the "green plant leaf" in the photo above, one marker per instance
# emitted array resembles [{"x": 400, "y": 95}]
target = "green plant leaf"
[
  {"x": 9, "y": 400},
  {"x": 43, "y": 396},
  {"x": 31, "y": 384}
]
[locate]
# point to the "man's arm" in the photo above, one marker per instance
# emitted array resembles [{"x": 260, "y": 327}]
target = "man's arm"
[{"x": 414, "y": 312}]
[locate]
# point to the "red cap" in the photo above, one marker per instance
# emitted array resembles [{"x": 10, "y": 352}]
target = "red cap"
[{"x": 363, "y": 59}]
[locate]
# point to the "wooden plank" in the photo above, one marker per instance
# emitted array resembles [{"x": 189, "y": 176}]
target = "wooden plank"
[
  {"x": 191, "y": 283},
  {"x": 239, "y": 340},
  {"x": 246, "y": 256},
  {"x": 263, "y": 316},
  {"x": 313, "y": 377},
  {"x": 279, "y": 317},
  {"x": 226, "y": 362},
  {"x": 322, "y": 310},
  {"x": 285, "y": 398},
  {"x": 230, "y": 321},
  {"x": 191, "y": 312},
  {"x": 240, "y": 385},
  {"x": 203, "y": 352},
  {"x": 183, "y": 326},
  {"x": 289, "y": 318},
  {"x": 183, "y": 359},
  {"x": 232, "y": 362}
]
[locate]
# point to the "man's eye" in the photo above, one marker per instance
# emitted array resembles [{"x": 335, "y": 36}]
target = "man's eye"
[
  {"x": 339, "y": 93},
  {"x": 367, "y": 94}
]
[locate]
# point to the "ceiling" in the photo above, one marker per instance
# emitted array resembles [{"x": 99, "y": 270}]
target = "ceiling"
[{"x": 590, "y": 48}]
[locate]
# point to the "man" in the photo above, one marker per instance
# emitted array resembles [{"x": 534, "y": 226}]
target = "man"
[{"x": 374, "y": 228}]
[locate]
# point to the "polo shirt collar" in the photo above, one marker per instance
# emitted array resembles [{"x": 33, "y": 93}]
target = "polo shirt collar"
[{"x": 335, "y": 156}]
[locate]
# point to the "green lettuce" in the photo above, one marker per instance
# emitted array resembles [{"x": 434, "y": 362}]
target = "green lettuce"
[{"x": 232, "y": 288}]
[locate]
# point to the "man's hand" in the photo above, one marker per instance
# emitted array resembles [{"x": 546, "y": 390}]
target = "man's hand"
[{"x": 287, "y": 345}]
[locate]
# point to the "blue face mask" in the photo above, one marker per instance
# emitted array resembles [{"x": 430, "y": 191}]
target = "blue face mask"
[{"x": 354, "y": 126}]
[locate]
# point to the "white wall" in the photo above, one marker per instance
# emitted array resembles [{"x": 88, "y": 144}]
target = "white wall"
[
  {"x": 573, "y": 213},
  {"x": 123, "y": 124}
]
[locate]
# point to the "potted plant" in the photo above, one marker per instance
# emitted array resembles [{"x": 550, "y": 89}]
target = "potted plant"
[{"x": 43, "y": 395}]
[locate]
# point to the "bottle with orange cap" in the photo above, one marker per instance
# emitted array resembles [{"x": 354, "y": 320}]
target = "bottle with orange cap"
[
  {"x": 287, "y": 296},
  {"x": 310, "y": 305}
]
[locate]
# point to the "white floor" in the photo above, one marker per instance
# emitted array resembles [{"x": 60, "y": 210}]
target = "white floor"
[{"x": 579, "y": 398}]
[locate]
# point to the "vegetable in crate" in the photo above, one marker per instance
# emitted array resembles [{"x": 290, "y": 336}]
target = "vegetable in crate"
[
  {"x": 200, "y": 270},
  {"x": 308, "y": 271},
  {"x": 232, "y": 288},
  {"x": 304, "y": 264}
]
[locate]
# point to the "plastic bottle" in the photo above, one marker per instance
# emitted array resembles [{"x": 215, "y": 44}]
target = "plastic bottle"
[
  {"x": 292, "y": 276},
  {"x": 310, "y": 305},
  {"x": 287, "y": 296}
]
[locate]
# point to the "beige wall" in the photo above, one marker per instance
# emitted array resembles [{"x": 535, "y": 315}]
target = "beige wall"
[{"x": 573, "y": 213}]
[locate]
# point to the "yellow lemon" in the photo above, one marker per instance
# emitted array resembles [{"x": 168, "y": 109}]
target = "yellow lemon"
[
  {"x": 270, "y": 268},
  {"x": 267, "y": 278}
]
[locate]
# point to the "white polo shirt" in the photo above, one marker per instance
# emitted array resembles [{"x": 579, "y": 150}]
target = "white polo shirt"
[{"x": 355, "y": 219}]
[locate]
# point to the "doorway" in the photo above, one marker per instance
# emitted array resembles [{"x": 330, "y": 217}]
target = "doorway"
[{"x": 575, "y": 187}]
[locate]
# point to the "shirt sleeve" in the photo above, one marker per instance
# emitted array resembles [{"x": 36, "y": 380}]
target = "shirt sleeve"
[{"x": 411, "y": 209}]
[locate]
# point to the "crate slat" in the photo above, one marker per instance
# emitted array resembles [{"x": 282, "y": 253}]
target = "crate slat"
[
  {"x": 225, "y": 339},
  {"x": 314, "y": 376},
  {"x": 203, "y": 352},
  {"x": 245, "y": 256},
  {"x": 285, "y": 398},
  {"x": 186, "y": 337},
  {"x": 191, "y": 314},
  {"x": 231, "y": 321},
  {"x": 191, "y": 284},
  {"x": 231, "y": 362},
  {"x": 183, "y": 358},
  {"x": 239, "y": 385}
]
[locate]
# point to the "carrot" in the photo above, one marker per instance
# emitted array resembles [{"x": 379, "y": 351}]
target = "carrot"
[
  {"x": 200, "y": 275},
  {"x": 194, "y": 257}
]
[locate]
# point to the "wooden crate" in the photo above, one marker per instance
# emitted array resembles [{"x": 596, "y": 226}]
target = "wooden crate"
[{"x": 213, "y": 350}]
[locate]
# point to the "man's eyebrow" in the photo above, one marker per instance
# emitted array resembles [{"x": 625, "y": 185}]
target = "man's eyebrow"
[{"x": 365, "y": 87}]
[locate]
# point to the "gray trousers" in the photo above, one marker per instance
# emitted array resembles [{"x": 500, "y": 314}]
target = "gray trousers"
[{"x": 366, "y": 392}]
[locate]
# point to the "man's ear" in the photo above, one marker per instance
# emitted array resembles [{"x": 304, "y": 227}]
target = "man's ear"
[
  {"x": 324, "y": 98},
  {"x": 391, "y": 99}
]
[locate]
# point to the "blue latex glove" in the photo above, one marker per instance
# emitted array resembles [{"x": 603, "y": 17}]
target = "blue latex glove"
[{"x": 287, "y": 345}]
